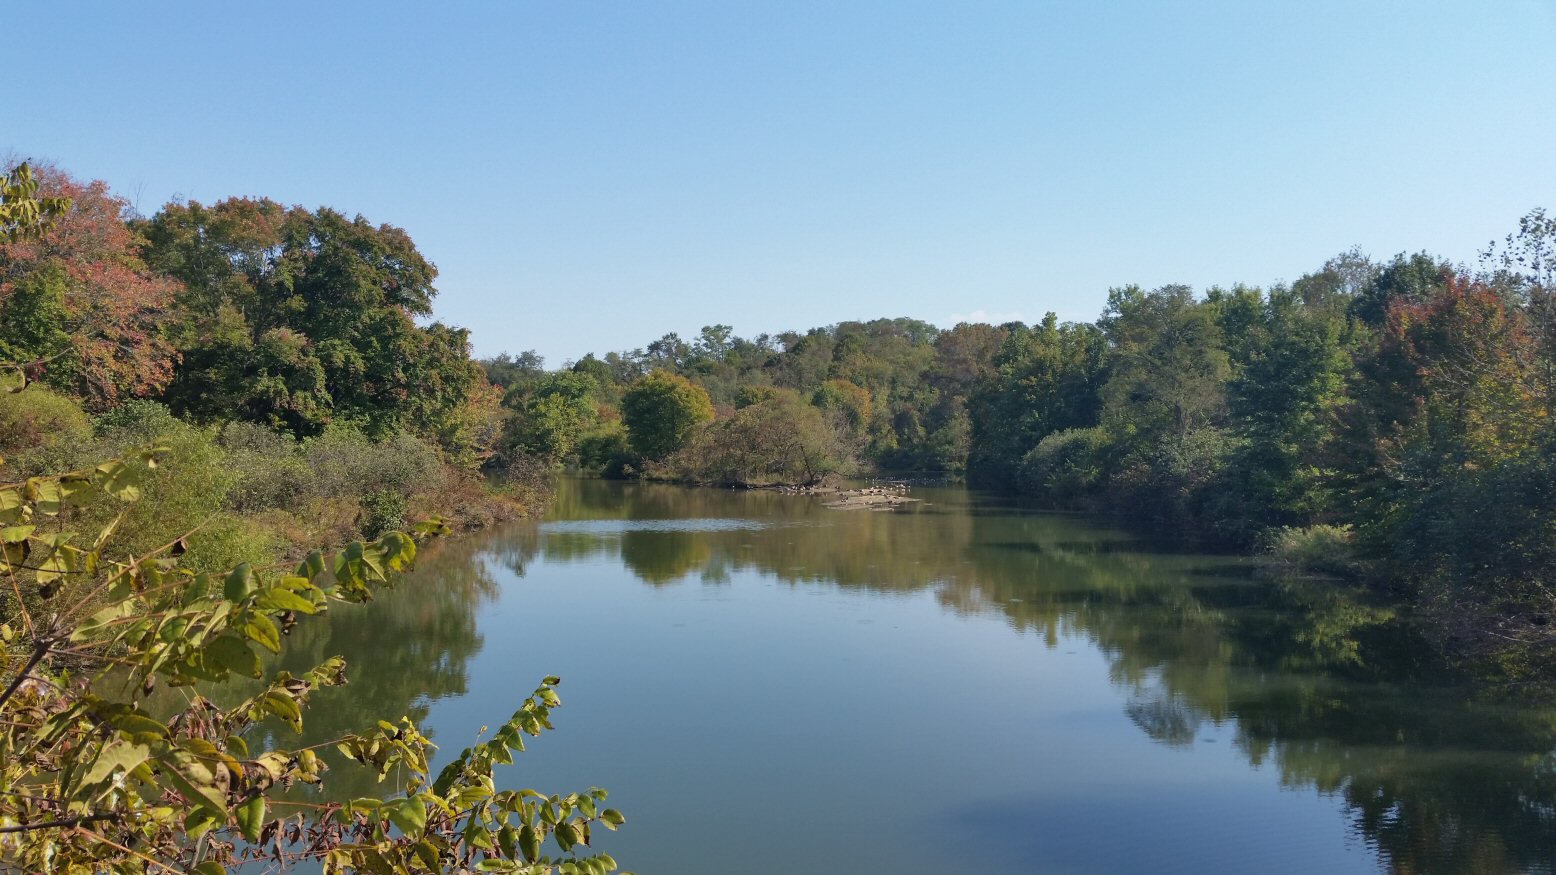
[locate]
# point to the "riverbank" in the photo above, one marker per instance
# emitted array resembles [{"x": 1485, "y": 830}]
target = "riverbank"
[{"x": 243, "y": 493}]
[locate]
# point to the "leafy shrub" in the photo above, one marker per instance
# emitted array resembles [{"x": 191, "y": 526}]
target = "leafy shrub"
[
  {"x": 137, "y": 422},
  {"x": 1066, "y": 466},
  {"x": 1325, "y": 549},
  {"x": 271, "y": 471},
  {"x": 344, "y": 456},
  {"x": 113, "y": 788},
  {"x": 382, "y": 511},
  {"x": 780, "y": 440},
  {"x": 40, "y": 430},
  {"x": 606, "y": 450},
  {"x": 187, "y": 495},
  {"x": 228, "y": 540},
  {"x": 525, "y": 481}
]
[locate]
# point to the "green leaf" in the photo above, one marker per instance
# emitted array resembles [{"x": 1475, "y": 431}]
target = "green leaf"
[
  {"x": 115, "y": 756},
  {"x": 428, "y": 855},
  {"x": 196, "y": 590},
  {"x": 232, "y": 654},
  {"x": 12, "y": 509},
  {"x": 261, "y": 629},
  {"x": 199, "y": 821},
  {"x": 119, "y": 479},
  {"x": 529, "y": 843},
  {"x": 251, "y": 816},
  {"x": 195, "y": 780},
  {"x": 278, "y": 599},
  {"x": 16, "y": 534},
  {"x": 75, "y": 489},
  {"x": 133, "y": 722},
  {"x": 17, "y": 553},
  {"x": 210, "y": 867},
  {"x": 399, "y": 550},
  {"x": 410, "y": 815},
  {"x": 92, "y": 624},
  {"x": 239, "y": 583},
  {"x": 312, "y": 566},
  {"x": 63, "y": 559},
  {"x": 285, "y": 707},
  {"x": 508, "y": 841},
  {"x": 46, "y": 496}
]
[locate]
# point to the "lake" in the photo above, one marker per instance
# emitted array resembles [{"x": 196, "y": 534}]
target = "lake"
[{"x": 959, "y": 686}]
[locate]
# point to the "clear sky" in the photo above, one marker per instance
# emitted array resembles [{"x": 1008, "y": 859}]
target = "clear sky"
[{"x": 588, "y": 176}]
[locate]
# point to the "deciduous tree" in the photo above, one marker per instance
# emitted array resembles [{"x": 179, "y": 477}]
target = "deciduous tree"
[
  {"x": 660, "y": 412},
  {"x": 88, "y": 312}
]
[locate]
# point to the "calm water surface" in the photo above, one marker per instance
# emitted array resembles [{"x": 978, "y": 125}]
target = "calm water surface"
[{"x": 766, "y": 686}]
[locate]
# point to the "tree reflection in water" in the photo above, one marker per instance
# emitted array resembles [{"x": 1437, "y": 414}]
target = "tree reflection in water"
[{"x": 1338, "y": 693}]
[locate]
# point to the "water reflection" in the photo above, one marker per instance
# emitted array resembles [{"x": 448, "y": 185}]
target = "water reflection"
[
  {"x": 1335, "y": 694},
  {"x": 408, "y": 648}
]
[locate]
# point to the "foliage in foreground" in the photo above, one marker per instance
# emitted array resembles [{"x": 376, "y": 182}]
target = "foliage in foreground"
[{"x": 92, "y": 779}]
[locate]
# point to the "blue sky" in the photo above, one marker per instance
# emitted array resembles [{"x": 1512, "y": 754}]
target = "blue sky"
[{"x": 588, "y": 176}]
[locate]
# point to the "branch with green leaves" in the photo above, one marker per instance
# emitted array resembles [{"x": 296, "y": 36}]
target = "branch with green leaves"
[
  {"x": 23, "y": 214},
  {"x": 92, "y": 777}
]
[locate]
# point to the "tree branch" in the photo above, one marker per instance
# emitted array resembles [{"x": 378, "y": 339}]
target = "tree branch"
[{"x": 64, "y": 822}]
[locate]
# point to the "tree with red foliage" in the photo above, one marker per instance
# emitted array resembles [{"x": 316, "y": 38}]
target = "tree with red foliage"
[
  {"x": 1448, "y": 450},
  {"x": 1458, "y": 371},
  {"x": 78, "y": 306}
]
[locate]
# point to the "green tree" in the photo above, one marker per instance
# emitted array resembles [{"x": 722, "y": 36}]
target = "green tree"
[
  {"x": 1045, "y": 379},
  {"x": 510, "y": 371},
  {"x": 1290, "y": 380},
  {"x": 780, "y": 439},
  {"x": 558, "y": 412},
  {"x": 847, "y": 399},
  {"x": 661, "y": 410},
  {"x": 34, "y": 321},
  {"x": 1169, "y": 364},
  {"x": 345, "y": 294},
  {"x": 1446, "y": 465},
  {"x": 1523, "y": 268},
  {"x": 1413, "y": 279}
]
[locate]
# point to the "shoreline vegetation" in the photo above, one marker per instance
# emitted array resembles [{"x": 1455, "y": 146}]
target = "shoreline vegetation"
[{"x": 1383, "y": 420}]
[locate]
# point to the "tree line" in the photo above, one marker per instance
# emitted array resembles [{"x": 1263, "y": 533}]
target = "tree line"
[{"x": 1386, "y": 418}]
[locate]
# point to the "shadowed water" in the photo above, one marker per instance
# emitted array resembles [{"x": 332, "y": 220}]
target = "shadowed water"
[{"x": 767, "y": 686}]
